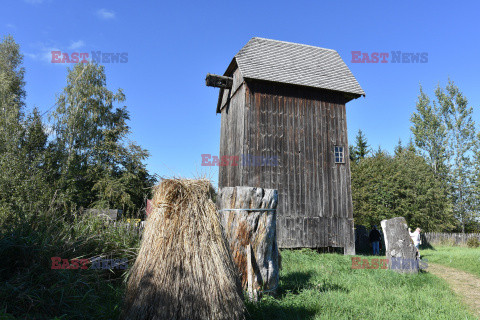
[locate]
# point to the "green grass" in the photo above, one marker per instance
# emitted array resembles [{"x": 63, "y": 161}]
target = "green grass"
[
  {"x": 312, "y": 285},
  {"x": 323, "y": 286},
  {"x": 463, "y": 258}
]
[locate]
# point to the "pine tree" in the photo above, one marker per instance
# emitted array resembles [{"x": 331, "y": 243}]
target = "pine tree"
[{"x": 361, "y": 148}]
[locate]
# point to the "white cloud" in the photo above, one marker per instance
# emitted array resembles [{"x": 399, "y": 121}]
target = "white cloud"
[
  {"x": 76, "y": 44},
  {"x": 11, "y": 26},
  {"x": 44, "y": 53},
  {"x": 105, "y": 14},
  {"x": 31, "y": 55}
]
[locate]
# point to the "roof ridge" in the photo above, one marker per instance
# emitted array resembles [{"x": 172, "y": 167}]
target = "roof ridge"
[{"x": 295, "y": 43}]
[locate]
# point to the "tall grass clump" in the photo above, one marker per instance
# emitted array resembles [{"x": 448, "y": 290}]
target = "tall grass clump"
[{"x": 30, "y": 289}]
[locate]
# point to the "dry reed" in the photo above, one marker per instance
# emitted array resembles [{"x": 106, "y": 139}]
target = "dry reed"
[{"x": 184, "y": 269}]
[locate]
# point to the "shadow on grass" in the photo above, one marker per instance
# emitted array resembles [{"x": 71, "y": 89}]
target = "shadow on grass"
[
  {"x": 294, "y": 282},
  {"x": 331, "y": 287},
  {"x": 427, "y": 245},
  {"x": 280, "y": 306},
  {"x": 274, "y": 310}
]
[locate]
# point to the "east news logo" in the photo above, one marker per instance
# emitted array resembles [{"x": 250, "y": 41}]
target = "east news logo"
[
  {"x": 82, "y": 57},
  {"x": 396, "y": 263},
  {"x": 96, "y": 263},
  {"x": 383, "y": 57}
]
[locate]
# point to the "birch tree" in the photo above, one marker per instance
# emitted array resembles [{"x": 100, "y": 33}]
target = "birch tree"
[
  {"x": 444, "y": 131},
  {"x": 457, "y": 118}
]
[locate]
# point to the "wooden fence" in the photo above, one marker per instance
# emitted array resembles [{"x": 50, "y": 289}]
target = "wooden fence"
[
  {"x": 438, "y": 238},
  {"x": 133, "y": 228}
]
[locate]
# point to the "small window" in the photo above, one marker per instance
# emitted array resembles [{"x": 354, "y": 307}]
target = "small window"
[{"x": 339, "y": 154}]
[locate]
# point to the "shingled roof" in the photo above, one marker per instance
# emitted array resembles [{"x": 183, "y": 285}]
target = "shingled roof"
[{"x": 297, "y": 64}]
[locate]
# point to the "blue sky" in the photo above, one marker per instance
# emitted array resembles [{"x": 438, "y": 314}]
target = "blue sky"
[{"x": 171, "y": 46}]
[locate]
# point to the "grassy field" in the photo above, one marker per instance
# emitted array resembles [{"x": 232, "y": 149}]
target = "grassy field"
[
  {"x": 463, "y": 258},
  {"x": 323, "y": 286},
  {"x": 312, "y": 285}
]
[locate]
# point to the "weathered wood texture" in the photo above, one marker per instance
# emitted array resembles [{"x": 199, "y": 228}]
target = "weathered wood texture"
[
  {"x": 213, "y": 80},
  {"x": 399, "y": 248},
  {"x": 232, "y": 128},
  {"x": 255, "y": 228},
  {"x": 300, "y": 126},
  {"x": 438, "y": 238}
]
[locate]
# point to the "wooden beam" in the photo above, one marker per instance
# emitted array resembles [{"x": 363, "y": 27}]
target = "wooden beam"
[{"x": 213, "y": 80}]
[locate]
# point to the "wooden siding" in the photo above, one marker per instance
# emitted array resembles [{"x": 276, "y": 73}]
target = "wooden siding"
[
  {"x": 300, "y": 126},
  {"x": 232, "y": 128}
]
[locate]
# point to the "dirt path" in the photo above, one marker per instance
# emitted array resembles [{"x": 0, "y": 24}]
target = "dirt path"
[{"x": 466, "y": 285}]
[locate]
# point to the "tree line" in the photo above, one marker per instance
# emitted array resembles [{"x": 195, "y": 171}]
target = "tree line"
[
  {"x": 434, "y": 181},
  {"x": 80, "y": 156}
]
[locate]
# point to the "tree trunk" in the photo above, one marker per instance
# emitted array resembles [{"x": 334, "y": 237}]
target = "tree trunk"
[
  {"x": 247, "y": 229},
  {"x": 400, "y": 250}
]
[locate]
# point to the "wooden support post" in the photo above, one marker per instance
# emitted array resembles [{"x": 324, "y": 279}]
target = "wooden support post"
[{"x": 254, "y": 228}]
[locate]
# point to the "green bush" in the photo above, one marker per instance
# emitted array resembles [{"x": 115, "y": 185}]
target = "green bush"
[{"x": 473, "y": 242}]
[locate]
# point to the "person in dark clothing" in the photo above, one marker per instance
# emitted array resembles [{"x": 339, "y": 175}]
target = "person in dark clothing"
[{"x": 375, "y": 238}]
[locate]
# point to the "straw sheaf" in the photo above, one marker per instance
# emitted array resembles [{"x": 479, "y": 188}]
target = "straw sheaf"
[{"x": 184, "y": 269}]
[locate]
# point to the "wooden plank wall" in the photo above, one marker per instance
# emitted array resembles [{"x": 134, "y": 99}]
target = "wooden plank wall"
[
  {"x": 300, "y": 126},
  {"x": 231, "y": 132}
]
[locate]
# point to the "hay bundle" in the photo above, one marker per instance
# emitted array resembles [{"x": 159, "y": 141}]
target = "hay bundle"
[{"x": 184, "y": 269}]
